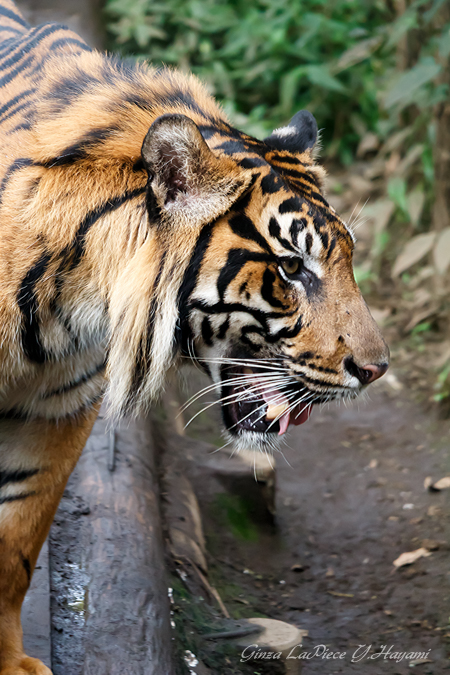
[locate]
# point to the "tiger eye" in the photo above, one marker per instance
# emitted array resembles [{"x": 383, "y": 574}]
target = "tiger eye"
[{"x": 291, "y": 265}]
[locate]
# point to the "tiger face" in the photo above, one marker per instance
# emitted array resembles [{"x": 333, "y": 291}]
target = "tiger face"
[{"x": 269, "y": 305}]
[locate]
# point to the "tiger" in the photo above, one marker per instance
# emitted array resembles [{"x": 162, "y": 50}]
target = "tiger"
[{"x": 139, "y": 228}]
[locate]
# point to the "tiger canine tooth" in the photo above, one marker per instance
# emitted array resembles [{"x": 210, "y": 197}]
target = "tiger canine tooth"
[
  {"x": 247, "y": 371},
  {"x": 275, "y": 410}
]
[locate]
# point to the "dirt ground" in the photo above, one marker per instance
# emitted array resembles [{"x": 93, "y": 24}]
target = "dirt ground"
[{"x": 350, "y": 498}]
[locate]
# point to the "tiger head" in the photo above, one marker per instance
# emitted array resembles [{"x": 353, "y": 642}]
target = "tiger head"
[{"x": 266, "y": 298}]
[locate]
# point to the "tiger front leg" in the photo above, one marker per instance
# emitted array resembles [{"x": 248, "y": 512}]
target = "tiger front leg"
[{"x": 36, "y": 459}]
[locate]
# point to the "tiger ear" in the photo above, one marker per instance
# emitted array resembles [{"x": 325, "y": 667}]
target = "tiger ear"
[
  {"x": 190, "y": 184},
  {"x": 298, "y": 136}
]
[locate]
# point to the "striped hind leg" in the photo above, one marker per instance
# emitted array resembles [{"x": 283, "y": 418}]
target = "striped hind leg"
[{"x": 36, "y": 459}]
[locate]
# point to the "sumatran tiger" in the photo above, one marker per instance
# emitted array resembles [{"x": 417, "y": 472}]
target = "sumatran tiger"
[{"x": 137, "y": 227}]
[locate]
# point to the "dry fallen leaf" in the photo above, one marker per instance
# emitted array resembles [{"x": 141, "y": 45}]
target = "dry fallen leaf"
[
  {"x": 418, "y": 662},
  {"x": 415, "y": 249},
  {"x": 441, "y": 252},
  {"x": 441, "y": 484},
  {"x": 427, "y": 482},
  {"x": 340, "y": 595},
  {"x": 409, "y": 557},
  {"x": 330, "y": 572},
  {"x": 393, "y": 382},
  {"x": 434, "y": 510}
]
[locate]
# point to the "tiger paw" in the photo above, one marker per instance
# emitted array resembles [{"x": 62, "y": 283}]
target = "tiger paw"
[{"x": 26, "y": 666}]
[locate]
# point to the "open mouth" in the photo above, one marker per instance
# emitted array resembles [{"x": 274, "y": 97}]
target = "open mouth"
[{"x": 253, "y": 402}]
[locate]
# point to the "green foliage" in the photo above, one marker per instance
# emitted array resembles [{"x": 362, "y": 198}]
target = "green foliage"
[
  {"x": 442, "y": 385},
  {"x": 266, "y": 60},
  {"x": 235, "y": 513}
]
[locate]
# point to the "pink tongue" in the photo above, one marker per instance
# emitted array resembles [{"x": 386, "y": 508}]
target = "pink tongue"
[{"x": 301, "y": 413}]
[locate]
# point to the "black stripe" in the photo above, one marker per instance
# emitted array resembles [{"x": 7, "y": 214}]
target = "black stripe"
[
  {"x": 251, "y": 162},
  {"x": 28, "y": 305},
  {"x": 291, "y": 205},
  {"x": 275, "y": 232},
  {"x": 207, "y": 332},
  {"x": 177, "y": 96},
  {"x": 6, "y": 79},
  {"x": 16, "y": 476},
  {"x": 76, "y": 383},
  {"x": 302, "y": 356},
  {"x": 12, "y": 414},
  {"x": 321, "y": 383},
  {"x": 76, "y": 249},
  {"x": 322, "y": 369},
  {"x": 20, "y": 127},
  {"x": 143, "y": 355},
  {"x": 269, "y": 279},
  {"x": 244, "y": 227},
  {"x": 320, "y": 226},
  {"x": 79, "y": 149},
  {"x": 303, "y": 176},
  {"x": 10, "y": 43},
  {"x": 183, "y": 330},
  {"x": 309, "y": 241},
  {"x": 10, "y": 29},
  {"x": 18, "y": 164},
  {"x": 14, "y": 17},
  {"x": 287, "y": 332},
  {"x": 72, "y": 254},
  {"x": 271, "y": 183},
  {"x": 26, "y": 567},
  {"x": 208, "y": 131},
  {"x": 285, "y": 160},
  {"x": 325, "y": 239},
  {"x": 15, "y": 100},
  {"x": 231, "y": 147},
  {"x": 70, "y": 41},
  {"x": 223, "y": 328},
  {"x": 237, "y": 258},
  {"x": 15, "y": 498},
  {"x": 297, "y": 226},
  {"x": 24, "y": 46},
  {"x": 331, "y": 249},
  {"x": 25, "y": 104},
  {"x": 226, "y": 308},
  {"x": 67, "y": 90}
]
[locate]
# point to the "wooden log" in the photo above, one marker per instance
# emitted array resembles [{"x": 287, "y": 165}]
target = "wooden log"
[
  {"x": 36, "y": 611},
  {"x": 127, "y": 607}
]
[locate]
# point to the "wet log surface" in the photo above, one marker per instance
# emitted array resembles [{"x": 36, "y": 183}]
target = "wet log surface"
[
  {"x": 110, "y": 607},
  {"x": 36, "y": 611}
]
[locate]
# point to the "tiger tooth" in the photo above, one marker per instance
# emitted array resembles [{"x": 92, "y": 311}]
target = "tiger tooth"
[
  {"x": 247, "y": 371},
  {"x": 275, "y": 410}
]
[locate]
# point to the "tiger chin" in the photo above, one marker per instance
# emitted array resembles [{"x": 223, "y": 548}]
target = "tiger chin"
[{"x": 138, "y": 227}]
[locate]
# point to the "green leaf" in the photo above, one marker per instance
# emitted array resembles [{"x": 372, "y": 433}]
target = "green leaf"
[
  {"x": 320, "y": 75},
  {"x": 397, "y": 192},
  {"x": 444, "y": 43},
  {"x": 357, "y": 53},
  {"x": 422, "y": 73}
]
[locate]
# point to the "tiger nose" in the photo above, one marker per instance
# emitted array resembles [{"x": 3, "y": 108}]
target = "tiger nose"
[{"x": 366, "y": 374}]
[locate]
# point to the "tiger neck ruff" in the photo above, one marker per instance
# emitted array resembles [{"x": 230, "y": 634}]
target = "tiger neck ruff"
[{"x": 137, "y": 227}]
